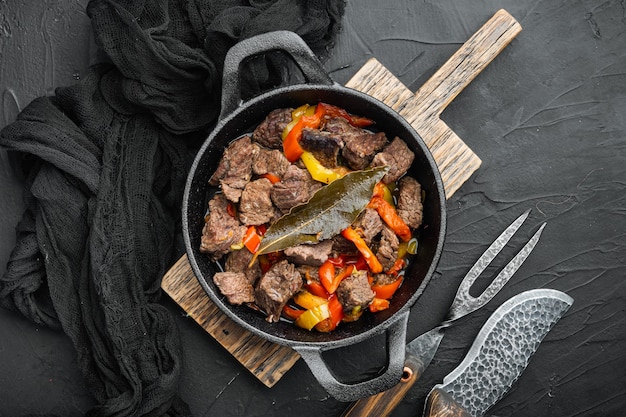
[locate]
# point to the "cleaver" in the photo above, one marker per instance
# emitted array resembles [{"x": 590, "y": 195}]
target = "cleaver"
[{"x": 499, "y": 354}]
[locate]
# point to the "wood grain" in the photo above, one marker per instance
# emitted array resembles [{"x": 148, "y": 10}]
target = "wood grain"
[
  {"x": 382, "y": 404},
  {"x": 456, "y": 161},
  {"x": 440, "y": 404},
  {"x": 267, "y": 361},
  {"x": 423, "y": 109}
]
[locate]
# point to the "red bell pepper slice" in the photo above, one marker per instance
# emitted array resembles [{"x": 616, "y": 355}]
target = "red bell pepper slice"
[
  {"x": 390, "y": 216},
  {"x": 397, "y": 267},
  {"x": 329, "y": 279},
  {"x": 273, "y": 178},
  {"x": 251, "y": 239},
  {"x": 334, "y": 111},
  {"x": 342, "y": 260},
  {"x": 360, "y": 121},
  {"x": 231, "y": 210},
  {"x": 292, "y": 313},
  {"x": 338, "y": 261},
  {"x": 327, "y": 275},
  {"x": 361, "y": 264},
  {"x": 318, "y": 289},
  {"x": 373, "y": 262},
  {"x": 386, "y": 291}
]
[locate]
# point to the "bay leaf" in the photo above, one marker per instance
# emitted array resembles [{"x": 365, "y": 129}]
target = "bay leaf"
[{"x": 330, "y": 210}]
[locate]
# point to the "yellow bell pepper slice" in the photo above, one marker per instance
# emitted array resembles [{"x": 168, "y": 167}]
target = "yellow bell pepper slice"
[
  {"x": 312, "y": 316},
  {"x": 307, "y": 300},
  {"x": 296, "y": 115},
  {"x": 318, "y": 171}
]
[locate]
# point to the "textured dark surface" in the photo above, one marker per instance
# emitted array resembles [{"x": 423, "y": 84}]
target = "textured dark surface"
[{"x": 547, "y": 118}]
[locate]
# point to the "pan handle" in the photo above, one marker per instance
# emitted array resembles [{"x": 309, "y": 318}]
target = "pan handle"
[
  {"x": 396, "y": 345},
  {"x": 281, "y": 40}
]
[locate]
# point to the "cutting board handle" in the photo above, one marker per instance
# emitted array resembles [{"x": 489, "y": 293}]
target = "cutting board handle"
[{"x": 467, "y": 62}]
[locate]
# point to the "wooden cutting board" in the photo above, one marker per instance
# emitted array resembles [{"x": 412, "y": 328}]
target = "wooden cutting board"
[{"x": 456, "y": 161}]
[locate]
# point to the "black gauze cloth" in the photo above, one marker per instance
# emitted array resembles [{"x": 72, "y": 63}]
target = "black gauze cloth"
[{"x": 104, "y": 168}]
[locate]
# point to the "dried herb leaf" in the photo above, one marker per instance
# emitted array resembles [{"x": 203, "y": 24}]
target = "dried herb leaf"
[{"x": 330, "y": 210}]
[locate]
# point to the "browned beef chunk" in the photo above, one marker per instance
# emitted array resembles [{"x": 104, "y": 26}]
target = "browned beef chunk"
[
  {"x": 235, "y": 168},
  {"x": 342, "y": 246},
  {"x": 310, "y": 274},
  {"x": 270, "y": 161},
  {"x": 384, "y": 279},
  {"x": 221, "y": 230},
  {"x": 255, "y": 206},
  {"x": 313, "y": 255},
  {"x": 296, "y": 187},
  {"x": 387, "y": 252},
  {"x": 235, "y": 286},
  {"x": 324, "y": 146},
  {"x": 355, "y": 291},
  {"x": 276, "y": 287},
  {"x": 337, "y": 126},
  {"x": 369, "y": 224},
  {"x": 238, "y": 261},
  {"x": 359, "y": 151},
  {"x": 232, "y": 189},
  {"x": 360, "y": 145},
  {"x": 268, "y": 133},
  {"x": 410, "y": 206},
  {"x": 397, "y": 156}
]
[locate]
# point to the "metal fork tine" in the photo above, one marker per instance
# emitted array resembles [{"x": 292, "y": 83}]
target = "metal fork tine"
[
  {"x": 425, "y": 345},
  {"x": 466, "y": 303},
  {"x": 492, "y": 251}
]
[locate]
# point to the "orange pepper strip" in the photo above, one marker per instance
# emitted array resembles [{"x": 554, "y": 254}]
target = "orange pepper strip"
[
  {"x": 379, "y": 189},
  {"x": 273, "y": 178},
  {"x": 316, "y": 288},
  {"x": 378, "y": 304},
  {"x": 360, "y": 121},
  {"x": 386, "y": 291},
  {"x": 325, "y": 325},
  {"x": 397, "y": 266},
  {"x": 327, "y": 275},
  {"x": 373, "y": 263},
  {"x": 251, "y": 239},
  {"x": 291, "y": 312},
  {"x": 334, "y": 111},
  {"x": 390, "y": 216},
  {"x": 231, "y": 210},
  {"x": 291, "y": 145},
  {"x": 329, "y": 280}
]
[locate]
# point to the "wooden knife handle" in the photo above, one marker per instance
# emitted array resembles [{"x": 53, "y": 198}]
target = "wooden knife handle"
[
  {"x": 382, "y": 404},
  {"x": 440, "y": 404}
]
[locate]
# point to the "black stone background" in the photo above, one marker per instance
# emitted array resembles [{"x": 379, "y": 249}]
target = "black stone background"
[{"x": 547, "y": 118}]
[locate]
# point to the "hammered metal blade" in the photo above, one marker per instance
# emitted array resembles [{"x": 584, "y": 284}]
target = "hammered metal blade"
[
  {"x": 425, "y": 346},
  {"x": 503, "y": 348}
]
